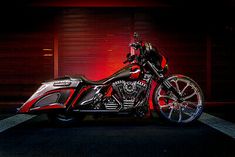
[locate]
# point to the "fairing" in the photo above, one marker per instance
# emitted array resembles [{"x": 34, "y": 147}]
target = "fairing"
[{"x": 156, "y": 58}]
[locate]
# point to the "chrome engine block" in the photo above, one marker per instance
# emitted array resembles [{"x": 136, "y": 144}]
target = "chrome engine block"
[{"x": 129, "y": 92}]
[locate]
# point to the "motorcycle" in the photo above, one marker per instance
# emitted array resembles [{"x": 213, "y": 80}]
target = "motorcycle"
[{"x": 176, "y": 98}]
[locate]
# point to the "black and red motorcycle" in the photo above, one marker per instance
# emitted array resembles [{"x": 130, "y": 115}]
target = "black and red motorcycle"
[{"x": 176, "y": 98}]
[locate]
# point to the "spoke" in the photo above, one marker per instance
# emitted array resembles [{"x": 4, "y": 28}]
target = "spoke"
[
  {"x": 180, "y": 115},
  {"x": 188, "y": 110},
  {"x": 190, "y": 102},
  {"x": 177, "y": 86},
  {"x": 188, "y": 114},
  {"x": 184, "y": 88},
  {"x": 169, "y": 116},
  {"x": 190, "y": 96},
  {"x": 167, "y": 105},
  {"x": 166, "y": 96}
]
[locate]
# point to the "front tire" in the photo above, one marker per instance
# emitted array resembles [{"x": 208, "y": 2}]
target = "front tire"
[{"x": 183, "y": 111}]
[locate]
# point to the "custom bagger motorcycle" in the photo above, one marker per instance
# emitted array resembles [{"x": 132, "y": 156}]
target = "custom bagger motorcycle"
[{"x": 176, "y": 98}]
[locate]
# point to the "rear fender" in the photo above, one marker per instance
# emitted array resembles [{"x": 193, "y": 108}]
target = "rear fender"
[{"x": 51, "y": 95}]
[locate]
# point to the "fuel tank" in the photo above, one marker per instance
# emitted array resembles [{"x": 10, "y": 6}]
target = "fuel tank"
[{"x": 129, "y": 72}]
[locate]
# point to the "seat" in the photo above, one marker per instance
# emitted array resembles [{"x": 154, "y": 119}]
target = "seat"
[{"x": 99, "y": 82}]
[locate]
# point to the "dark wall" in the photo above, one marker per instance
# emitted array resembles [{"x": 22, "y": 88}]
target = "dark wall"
[
  {"x": 93, "y": 41},
  {"x": 26, "y": 51},
  {"x": 223, "y": 57}
]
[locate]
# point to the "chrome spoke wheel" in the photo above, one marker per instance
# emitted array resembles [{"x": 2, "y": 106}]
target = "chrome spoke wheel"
[{"x": 185, "y": 110}]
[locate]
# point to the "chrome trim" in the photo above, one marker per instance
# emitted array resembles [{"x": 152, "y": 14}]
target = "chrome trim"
[{"x": 155, "y": 70}]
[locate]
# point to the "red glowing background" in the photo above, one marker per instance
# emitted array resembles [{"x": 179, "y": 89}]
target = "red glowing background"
[
  {"x": 61, "y": 39},
  {"x": 95, "y": 42}
]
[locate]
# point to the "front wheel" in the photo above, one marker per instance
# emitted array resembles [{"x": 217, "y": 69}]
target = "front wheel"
[{"x": 184, "y": 110}]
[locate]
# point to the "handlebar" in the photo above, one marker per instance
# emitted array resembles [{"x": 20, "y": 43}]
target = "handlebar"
[{"x": 135, "y": 45}]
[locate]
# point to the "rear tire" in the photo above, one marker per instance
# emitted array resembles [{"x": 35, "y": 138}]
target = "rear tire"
[
  {"x": 63, "y": 119},
  {"x": 169, "y": 108}
]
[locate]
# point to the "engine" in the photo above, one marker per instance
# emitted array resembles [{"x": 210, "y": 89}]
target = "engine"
[{"x": 128, "y": 93}]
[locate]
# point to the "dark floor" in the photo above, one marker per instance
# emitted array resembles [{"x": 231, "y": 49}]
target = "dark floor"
[
  {"x": 226, "y": 112},
  {"x": 114, "y": 137}
]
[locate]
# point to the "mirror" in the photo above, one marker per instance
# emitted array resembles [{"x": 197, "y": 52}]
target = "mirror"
[{"x": 136, "y": 35}]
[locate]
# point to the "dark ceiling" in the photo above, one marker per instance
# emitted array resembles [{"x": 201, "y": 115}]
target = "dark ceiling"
[{"x": 121, "y": 3}]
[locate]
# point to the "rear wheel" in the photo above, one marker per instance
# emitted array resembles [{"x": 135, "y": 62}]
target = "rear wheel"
[
  {"x": 63, "y": 119},
  {"x": 188, "y": 108}
]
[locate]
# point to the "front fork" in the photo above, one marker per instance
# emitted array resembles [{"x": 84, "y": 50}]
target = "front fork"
[
  {"x": 166, "y": 83},
  {"x": 171, "y": 88}
]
